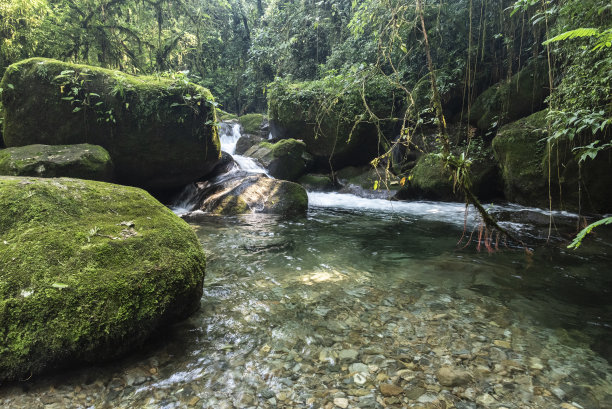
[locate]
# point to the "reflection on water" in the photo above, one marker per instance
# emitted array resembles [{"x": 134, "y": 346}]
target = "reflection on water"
[{"x": 324, "y": 310}]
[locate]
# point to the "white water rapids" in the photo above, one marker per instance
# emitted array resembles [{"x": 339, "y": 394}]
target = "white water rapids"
[{"x": 229, "y": 133}]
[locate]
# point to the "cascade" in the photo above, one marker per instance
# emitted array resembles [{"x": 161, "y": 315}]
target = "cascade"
[{"x": 229, "y": 133}]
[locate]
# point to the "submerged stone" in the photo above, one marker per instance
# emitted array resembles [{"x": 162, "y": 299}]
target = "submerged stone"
[
  {"x": 81, "y": 161},
  {"x": 88, "y": 270},
  {"x": 159, "y": 131}
]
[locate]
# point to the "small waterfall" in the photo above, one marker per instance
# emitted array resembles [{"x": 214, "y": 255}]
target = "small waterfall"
[{"x": 229, "y": 133}]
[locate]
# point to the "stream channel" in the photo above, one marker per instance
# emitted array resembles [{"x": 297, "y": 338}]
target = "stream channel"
[{"x": 359, "y": 304}]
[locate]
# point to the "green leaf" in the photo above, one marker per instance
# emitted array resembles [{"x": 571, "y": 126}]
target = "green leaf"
[
  {"x": 580, "y": 236},
  {"x": 579, "y": 32}
]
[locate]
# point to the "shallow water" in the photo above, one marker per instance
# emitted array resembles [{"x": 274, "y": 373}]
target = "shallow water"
[{"x": 307, "y": 312}]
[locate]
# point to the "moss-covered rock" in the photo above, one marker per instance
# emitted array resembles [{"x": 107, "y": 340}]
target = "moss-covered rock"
[
  {"x": 252, "y": 124},
  {"x": 159, "y": 132},
  {"x": 429, "y": 180},
  {"x": 316, "y": 182},
  {"x": 508, "y": 101},
  {"x": 81, "y": 161},
  {"x": 243, "y": 192},
  {"x": 367, "y": 177},
  {"x": 87, "y": 271},
  {"x": 246, "y": 142},
  {"x": 284, "y": 159},
  {"x": 328, "y": 115},
  {"x": 526, "y": 162},
  {"x": 520, "y": 149},
  {"x": 225, "y": 116}
]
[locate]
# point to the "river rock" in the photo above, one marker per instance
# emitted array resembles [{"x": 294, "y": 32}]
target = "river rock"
[
  {"x": 89, "y": 271},
  {"x": 303, "y": 110},
  {"x": 388, "y": 389},
  {"x": 429, "y": 180},
  {"x": 245, "y": 142},
  {"x": 242, "y": 192},
  {"x": 285, "y": 159},
  {"x": 81, "y": 161},
  {"x": 159, "y": 132},
  {"x": 451, "y": 376},
  {"x": 341, "y": 402},
  {"x": 254, "y": 124},
  {"x": 510, "y": 100}
]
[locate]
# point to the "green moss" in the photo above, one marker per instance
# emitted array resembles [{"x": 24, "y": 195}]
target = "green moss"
[
  {"x": 316, "y": 182},
  {"x": 87, "y": 271},
  {"x": 225, "y": 116},
  {"x": 82, "y": 161},
  {"x": 158, "y": 131},
  {"x": 520, "y": 149},
  {"x": 326, "y": 114},
  {"x": 514, "y": 99},
  {"x": 284, "y": 159},
  {"x": 251, "y": 123}
]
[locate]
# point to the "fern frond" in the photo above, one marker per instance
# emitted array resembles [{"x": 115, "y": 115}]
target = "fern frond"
[{"x": 579, "y": 32}]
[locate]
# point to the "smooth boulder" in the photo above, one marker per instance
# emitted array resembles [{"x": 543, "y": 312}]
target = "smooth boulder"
[
  {"x": 239, "y": 192},
  {"x": 81, "y": 161},
  {"x": 88, "y": 270},
  {"x": 159, "y": 131}
]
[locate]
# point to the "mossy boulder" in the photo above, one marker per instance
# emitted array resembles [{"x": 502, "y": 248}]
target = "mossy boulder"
[
  {"x": 317, "y": 182},
  {"x": 367, "y": 177},
  {"x": 246, "y": 142},
  {"x": 252, "y": 124},
  {"x": 285, "y": 159},
  {"x": 429, "y": 180},
  {"x": 241, "y": 192},
  {"x": 88, "y": 270},
  {"x": 81, "y": 161},
  {"x": 328, "y": 115},
  {"x": 526, "y": 161},
  {"x": 159, "y": 132},
  {"x": 510, "y": 100},
  {"x": 520, "y": 149}
]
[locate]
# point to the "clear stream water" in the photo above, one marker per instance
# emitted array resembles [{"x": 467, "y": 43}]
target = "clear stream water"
[{"x": 325, "y": 310}]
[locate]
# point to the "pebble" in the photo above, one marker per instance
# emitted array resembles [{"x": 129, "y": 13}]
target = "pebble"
[
  {"x": 359, "y": 379},
  {"x": 388, "y": 389},
  {"x": 341, "y": 402},
  {"x": 449, "y": 376},
  {"x": 358, "y": 367},
  {"x": 348, "y": 354}
]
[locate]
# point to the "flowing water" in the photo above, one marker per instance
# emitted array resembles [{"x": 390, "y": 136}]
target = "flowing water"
[{"x": 359, "y": 304}]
